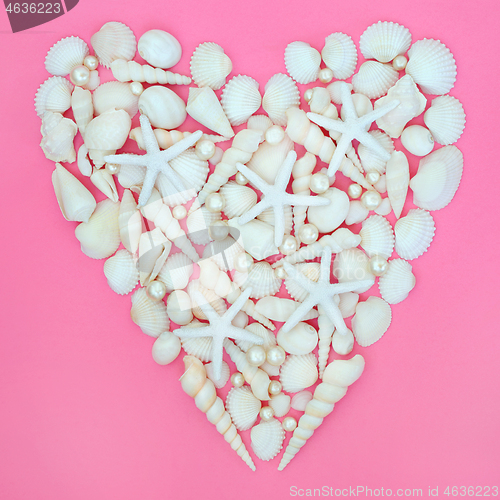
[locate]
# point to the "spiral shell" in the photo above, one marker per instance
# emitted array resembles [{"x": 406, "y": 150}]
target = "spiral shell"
[
  {"x": 397, "y": 282},
  {"x": 114, "y": 41},
  {"x": 383, "y": 41},
  {"x": 58, "y": 135},
  {"x": 126, "y": 71},
  {"x": 267, "y": 439},
  {"x": 301, "y": 339},
  {"x": 302, "y": 62},
  {"x": 240, "y": 99},
  {"x": 340, "y": 55},
  {"x": 414, "y": 233},
  {"x": 299, "y": 372},
  {"x": 121, "y": 272},
  {"x": 83, "y": 108},
  {"x": 281, "y": 93},
  {"x": 210, "y": 65}
]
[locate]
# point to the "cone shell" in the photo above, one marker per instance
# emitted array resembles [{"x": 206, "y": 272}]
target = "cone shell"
[
  {"x": 54, "y": 94},
  {"x": 149, "y": 315},
  {"x": 114, "y": 41},
  {"x": 340, "y": 55},
  {"x": 281, "y": 93},
  {"x": 210, "y": 65},
  {"x": 445, "y": 119},
  {"x": 299, "y": 372},
  {"x": 176, "y": 271},
  {"x": 225, "y": 374},
  {"x": 121, "y": 272},
  {"x": 83, "y": 108},
  {"x": 414, "y": 233},
  {"x": 311, "y": 271},
  {"x": 302, "y": 62},
  {"x": 239, "y": 199},
  {"x": 374, "y": 79},
  {"x": 372, "y": 162},
  {"x": 240, "y": 99},
  {"x": 243, "y": 407},
  {"x": 371, "y": 321},
  {"x": 384, "y": 40},
  {"x": 301, "y": 339},
  {"x": 115, "y": 95},
  {"x": 352, "y": 265},
  {"x": 397, "y": 178},
  {"x": 280, "y": 403},
  {"x": 397, "y": 282},
  {"x": 377, "y": 237},
  {"x": 261, "y": 278},
  {"x": 300, "y": 400},
  {"x": 259, "y": 330},
  {"x": 198, "y": 223},
  {"x": 64, "y": 55},
  {"x": 267, "y": 439}
]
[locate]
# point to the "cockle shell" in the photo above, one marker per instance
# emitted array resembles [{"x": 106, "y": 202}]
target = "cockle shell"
[
  {"x": 267, "y": 439},
  {"x": 438, "y": 178},
  {"x": 310, "y": 270},
  {"x": 121, "y": 272},
  {"x": 347, "y": 303},
  {"x": 198, "y": 223},
  {"x": 200, "y": 347},
  {"x": 210, "y": 66},
  {"x": 397, "y": 282},
  {"x": 130, "y": 222},
  {"x": 374, "y": 79},
  {"x": 299, "y": 372},
  {"x": 114, "y": 41},
  {"x": 352, "y": 265},
  {"x": 166, "y": 348},
  {"x": 225, "y": 374},
  {"x": 243, "y": 407},
  {"x": 176, "y": 271},
  {"x": 357, "y": 213},
  {"x": 280, "y": 309},
  {"x": 373, "y": 162},
  {"x": 371, "y": 321},
  {"x": 83, "y": 108},
  {"x": 240, "y": 99},
  {"x": 148, "y": 314},
  {"x": 334, "y": 89},
  {"x": 58, "y": 135},
  {"x": 261, "y": 331},
  {"x": 302, "y": 62},
  {"x": 445, "y": 119},
  {"x": 383, "y": 41},
  {"x": 414, "y": 233},
  {"x": 329, "y": 217},
  {"x": 260, "y": 123},
  {"x": 105, "y": 182},
  {"x": 340, "y": 55},
  {"x": 108, "y": 131},
  {"x": 115, "y": 95},
  {"x": 159, "y": 48},
  {"x": 281, "y": 93},
  {"x": 239, "y": 199},
  {"x": 179, "y": 307},
  {"x": 417, "y": 140},
  {"x": 164, "y": 108},
  {"x": 377, "y": 237},
  {"x": 260, "y": 278},
  {"x": 54, "y": 94},
  {"x": 280, "y": 403},
  {"x": 256, "y": 237},
  {"x": 66, "y": 54},
  {"x": 267, "y": 215},
  {"x": 300, "y": 400},
  {"x": 301, "y": 339},
  {"x": 397, "y": 178}
]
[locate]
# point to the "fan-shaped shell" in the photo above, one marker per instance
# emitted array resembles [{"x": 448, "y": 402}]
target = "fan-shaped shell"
[
  {"x": 281, "y": 93},
  {"x": 371, "y": 321},
  {"x": 243, "y": 407},
  {"x": 176, "y": 271},
  {"x": 347, "y": 303},
  {"x": 445, "y": 119},
  {"x": 54, "y": 94},
  {"x": 240, "y": 99},
  {"x": 64, "y": 55},
  {"x": 280, "y": 403},
  {"x": 210, "y": 65},
  {"x": 414, "y": 233},
  {"x": 374, "y": 79},
  {"x": 192, "y": 170},
  {"x": 302, "y": 62},
  {"x": 114, "y": 41},
  {"x": 397, "y": 282},
  {"x": 417, "y": 140},
  {"x": 115, "y": 95},
  {"x": 377, "y": 237},
  {"x": 334, "y": 90},
  {"x": 299, "y": 372},
  {"x": 259, "y": 122},
  {"x": 261, "y": 278},
  {"x": 352, "y": 265},
  {"x": 159, "y": 48},
  {"x": 370, "y": 161},
  {"x": 397, "y": 178},
  {"x": 300, "y": 400},
  {"x": 267, "y": 439},
  {"x": 384, "y": 40},
  {"x": 311, "y": 271},
  {"x": 301, "y": 339},
  {"x": 340, "y": 55},
  {"x": 261, "y": 331},
  {"x": 239, "y": 199},
  {"x": 121, "y": 272},
  {"x": 200, "y": 347},
  {"x": 149, "y": 315},
  {"x": 224, "y": 378},
  {"x": 198, "y": 223}
]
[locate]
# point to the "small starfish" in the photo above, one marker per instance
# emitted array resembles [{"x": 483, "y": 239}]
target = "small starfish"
[
  {"x": 353, "y": 127},
  {"x": 321, "y": 292},
  {"x": 154, "y": 160},
  {"x": 275, "y": 196},
  {"x": 220, "y": 328}
]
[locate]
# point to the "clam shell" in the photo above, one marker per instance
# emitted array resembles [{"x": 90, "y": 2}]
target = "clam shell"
[
  {"x": 384, "y": 40},
  {"x": 166, "y": 348},
  {"x": 334, "y": 90},
  {"x": 301, "y": 339},
  {"x": 445, "y": 119},
  {"x": 340, "y": 55},
  {"x": 397, "y": 282},
  {"x": 311, "y": 271},
  {"x": 371, "y": 321},
  {"x": 224, "y": 378},
  {"x": 179, "y": 307},
  {"x": 198, "y": 223},
  {"x": 374, "y": 79},
  {"x": 302, "y": 62},
  {"x": 280, "y": 403},
  {"x": 370, "y": 161},
  {"x": 329, "y": 217},
  {"x": 261, "y": 331},
  {"x": 300, "y": 400},
  {"x": 58, "y": 135},
  {"x": 414, "y": 233},
  {"x": 210, "y": 65},
  {"x": 261, "y": 278},
  {"x": 417, "y": 140},
  {"x": 200, "y": 347},
  {"x": 159, "y": 49},
  {"x": 149, "y": 315},
  {"x": 115, "y": 95},
  {"x": 397, "y": 177},
  {"x": 64, "y": 55},
  {"x": 240, "y": 99},
  {"x": 54, "y": 94},
  {"x": 281, "y": 93},
  {"x": 121, "y": 272},
  {"x": 347, "y": 303},
  {"x": 267, "y": 439},
  {"x": 176, "y": 271},
  {"x": 377, "y": 237},
  {"x": 299, "y": 372},
  {"x": 108, "y": 131},
  {"x": 164, "y": 108},
  {"x": 114, "y": 41},
  {"x": 352, "y": 265},
  {"x": 243, "y": 407},
  {"x": 83, "y": 108},
  {"x": 239, "y": 199}
]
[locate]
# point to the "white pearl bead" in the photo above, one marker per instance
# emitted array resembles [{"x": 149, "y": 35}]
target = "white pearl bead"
[
  {"x": 204, "y": 149},
  {"x": 237, "y": 379},
  {"x": 215, "y": 202},
  {"x": 289, "y": 245},
  {"x": 354, "y": 191},
  {"x": 80, "y": 76},
  {"x": 308, "y": 233},
  {"x": 136, "y": 88},
  {"x": 256, "y": 355},
  {"x": 266, "y": 413},
  {"x": 371, "y": 199},
  {"x": 274, "y": 135},
  {"x": 319, "y": 183},
  {"x": 156, "y": 290},
  {"x": 308, "y": 94},
  {"x": 240, "y": 320},
  {"x": 91, "y": 62},
  {"x": 112, "y": 168},
  {"x": 241, "y": 179},
  {"x": 276, "y": 356},
  {"x": 243, "y": 262},
  {"x": 399, "y": 63},
  {"x": 325, "y": 75},
  {"x": 289, "y": 424},
  {"x": 219, "y": 230},
  {"x": 274, "y": 387},
  {"x": 280, "y": 273},
  {"x": 372, "y": 177},
  {"x": 179, "y": 212},
  {"x": 378, "y": 265}
]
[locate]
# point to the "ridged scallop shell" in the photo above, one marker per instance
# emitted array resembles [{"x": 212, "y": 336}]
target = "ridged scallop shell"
[
  {"x": 267, "y": 215},
  {"x": 311, "y": 271},
  {"x": 115, "y": 95},
  {"x": 397, "y": 282},
  {"x": 281, "y": 404},
  {"x": 445, "y": 119},
  {"x": 370, "y": 161},
  {"x": 198, "y": 223},
  {"x": 192, "y": 170},
  {"x": 384, "y": 40},
  {"x": 300, "y": 400},
  {"x": 374, "y": 79},
  {"x": 397, "y": 176},
  {"x": 240, "y": 99},
  {"x": 438, "y": 178},
  {"x": 259, "y": 122},
  {"x": 114, "y": 41},
  {"x": 121, "y": 272},
  {"x": 200, "y": 347},
  {"x": 302, "y": 62},
  {"x": 334, "y": 91},
  {"x": 261, "y": 331},
  {"x": 58, "y": 135},
  {"x": 299, "y": 372},
  {"x": 210, "y": 297},
  {"x": 414, "y": 233},
  {"x": 340, "y": 55},
  {"x": 371, "y": 321},
  {"x": 64, "y": 55},
  {"x": 210, "y": 65},
  {"x": 149, "y": 315},
  {"x": 281, "y": 93},
  {"x": 224, "y": 378},
  {"x": 239, "y": 199},
  {"x": 243, "y": 407},
  {"x": 377, "y": 236},
  {"x": 176, "y": 271},
  {"x": 432, "y": 66},
  {"x": 352, "y": 265},
  {"x": 261, "y": 278},
  {"x": 223, "y": 252},
  {"x": 347, "y": 303},
  {"x": 267, "y": 439},
  {"x": 54, "y": 94},
  {"x": 301, "y": 339}
]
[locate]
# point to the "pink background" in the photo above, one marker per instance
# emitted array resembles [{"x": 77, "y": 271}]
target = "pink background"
[{"x": 86, "y": 413}]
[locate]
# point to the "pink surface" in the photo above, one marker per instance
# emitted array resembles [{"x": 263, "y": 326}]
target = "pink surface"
[{"x": 86, "y": 413}]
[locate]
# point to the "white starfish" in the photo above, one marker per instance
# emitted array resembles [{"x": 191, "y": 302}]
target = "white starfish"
[
  {"x": 353, "y": 127},
  {"x": 154, "y": 160},
  {"x": 321, "y": 292},
  {"x": 220, "y": 328},
  {"x": 275, "y": 196}
]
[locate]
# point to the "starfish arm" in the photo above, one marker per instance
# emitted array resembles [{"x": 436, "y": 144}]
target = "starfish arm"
[
  {"x": 347, "y": 102},
  {"x": 370, "y": 142},
  {"x": 285, "y": 170},
  {"x": 326, "y": 260},
  {"x": 172, "y": 176},
  {"x": 181, "y": 146},
  {"x": 254, "y": 211},
  {"x": 328, "y": 123},
  {"x": 297, "y": 276},
  {"x": 333, "y": 312},
  {"x": 350, "y": 286},
  {"x": 147, "y": 186},
  {"x": 309, "y": 201},
  {"x": 254, "y": 178},
  {"x": 206, "y": 307},
  {"x": 217, "y": 354},
  {"x": 279, "y": 225},
  {"x": 235, "y": 308},
  {"x": 193, "y": 333},
  {"x": 148, "y": 136},
  {"x": 299, "y": 313},
  {"x": 379, "y": 112},
  {"x": 338, "y": 156},
  {"x": 126, "y": 159}
]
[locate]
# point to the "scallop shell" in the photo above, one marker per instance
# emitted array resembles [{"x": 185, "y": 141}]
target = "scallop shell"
[
  {"x": 438, "y": 178},
  {"x": 261, "y": 331},
  {"x": 397, "y": 178},
  {"x": 300, "y": 400},
  {"x": 299, "y": 372},
  {"x": 340, "y": 55},
  {"x": 397, "y": 282},
  {"x": 334, "y": 91},
  {"x": 432, "y": 66},
  {"x": 224, "y": 378},
  {"x": 191, "y": 169},
  {"x": 243, "y": 407},
  {"x": 280, "y": 403},
  {"x": 267, "y": 439},
  {"x": 310, "y": 270},
  {"x": 370, "y": 161},
  {"x": 374, "y": 79},
  {"x": 159, "y": 48},
  {"x": 114, "y": 41},
  {"x": 414, "y": 233},
  {"x": 198, "y": 223},
  {"x": 64, "y": 55},
  {"x": 58, "y": 135},
  {"x": 445, "y": 119},
  {"x": 383, "y": 41},
  {"x": 259, "y": 123},
  {"x": 210, "y": 65},
  {"x": 371, "y": 321},
  {"x": 239, "y": 199},
  {"x": 347, "y": 303},
  {"x": 121, "y": 272},
  {"x": 261, "y": 278},
  {"x": 352, "y": 265},
  {"x": 301, "y": 339},
  {"x": 176, "y": 271},
  {"x": 83, "y": 108},
  {"x": 302, "y": 62},
  {"x": 150, "y": 315},
  {"x": 267, "y": 215},
  {"x": 281, "y": 93},
  {"x": 417, "y": 140},
  {"x": 240, "y": 99},
  {"x": 54, "y": 94},
  {"x": 200, "y": 347},
  {"x": 115, "y": 95},
  {"x": 377, "y": 237}
]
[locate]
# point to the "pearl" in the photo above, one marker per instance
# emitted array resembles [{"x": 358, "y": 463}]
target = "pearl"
[
  {"x": 308, "y": 94},
  {"x": 266, "y": 413},
  {"x": 215, "y": 202},
  {"x": 80, "y": 76},
  {"x": 156, "y": 290},
  {"x": 256, "y": 355},
  {"x": 136, "y": 88},
  {"x": 91, "y": 62},
  {"x": 325, "y": 75},
  {"x": 378, "y": 265},
  {"x": 372, "y": 177},
  {"x": 240, "y": 320},
  {"x": 280, "y": 273},
  {"x": 319, "y": 183},
  {"x": 371, "y": 199},
  {"x": 276, "y": 356},
  {"x": 204, "y": 149},
  {"x": 237, "y": 379},
  {"x": 243, "y": 262},
  {"x": 274, "y": 135},
  {"x": 308, "y": 233},
  {"x": 354, "y": 191},
  {"x": 289, "y": 424},
  {"x": 274, "y": 387},
  {"x": 112, "y": 168},
  {"x": 399, "y": 63},
  {"x": 179, "y": 212},
  {"x": 289, "y": 245},
  {"x": 241, "y": 179},
  {"x": 219, "y": 230}
]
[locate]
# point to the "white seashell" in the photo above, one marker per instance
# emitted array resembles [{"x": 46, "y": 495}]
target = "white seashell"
[
  {"x": 334, "y": 90},
  {"x": 58, "y": 135},
  {"x": 243, "y": 407},
  {"x": 371, "y": 321},
  {"x": 198, "y": 223},
  {"x": 261, "y": 331},
  {"x": 154, "y": 249},
  {"x": 417, "y": 140},
  {"x": 414, "y": 233},
  {"x": 164, "y": 108},
  {"x": 94, "y": 81},
  {"x": 224, "y": 378},
  {"x": 176, "y": 271},
  {"x": 377, "y": 237},
  {"x": 397, "y": 177},
  {"x": 83, "y": 162},
  {"x": 260, "y": 278},
  {"x": 299, "y": 372},
  {"x": 397, "y": 282},
  {"x": 259, "y": 123},
  {"x": 357, "y": 213},
  {"x": 166, "y": 348},
  {"x": 383, "y": 41},
  {"x": 343, "y": 344},
  {"x": 240, "y": 99},
  {"x": 239, "y": 199},
  {"x": 347, "y": 303},
  {"x": 108, "y": 131},
  {"x": 100, "y": 236},
  {"x": 121, "y": 272},
  {"x": 159, "y": 48},
  {"x": 129, "y": 222},
  {"x": 329, "y": 217},
  {"x": 300, "y": 400},
  {"x": 310, "y": 270},
  {"x": 105, "y": 182},
  {"x": 280, "y": 404},
  {"x": 64, "y": 55},
  {"x": 385, "y": 207},
  {"x": 374, "y": 79},
  {"x": 54, "y": 94},
  {"x": 281, "y": 93},
  {"x": 267, "y": 215},
  {"x": 200, "y": 347},
  {"x": 126, "y": 71},
  {"x": 438, "y": 178},
  {"x": 75, "y": 200},
  {"x": 179, "y": 307},
  {"x": 445, "y": 119},
  {"x": 209, "y": 295},
  {"x": 223, "y": 252},
  {"x": 340, "y": 55},
  {"x": 381, "y": 187},
  {"x": 267, "y": 439},
  {"x": 114, "y": 41},
  {"x": 352, "y": 265},
  {"x": 148, "y": 314},
  {"x": 210, "y": 66},
  {"x": 370, "y": 161},
  {"x": 256, "y": 237},
  {"x": 115, "y": 95},
  {"x": 301, "y": 339},
  {"x": 83, "y": 108},
  {"x": 280, "y": 309},
  {"x": 432, "y": 66},
  {"x": 362, "y": 105},
  {"x": 302, "y": 62}
]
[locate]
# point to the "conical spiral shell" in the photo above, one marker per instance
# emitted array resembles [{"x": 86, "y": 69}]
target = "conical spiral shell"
[
  {"x": 66, "y": 54},
  {"x": 372, "y": 162},
  {"x": 267, "y": 439},
  {"x": 243, "y": 407},
  {"x": 149, "y": 315},
  {"x": 302, "y": 62},
  {"x": 54, "y": 94},
  {"x": 239, "y": 199},
  {"x": 377, "y": 236},
  {"x": 340, "y": 55},
  {"x": 114, "y": 41},
  {"x": 121, "y": 272},
  {"x": 115, "y": 95},
  {"x": 176, "y": 271},
  {"x": 397, "y": 282},
  {"x": 281, "y": 404},
  {"x": 372, "y": 319},
  {"x": 126, "y": 71},
  {"x": 414, "y": 233},
  {"x": 397, "y": 177},
  {"x": 210, "y": 66},
  {"x": 281, "y": 93},
  {"x": 260, "y": 278},
  {"x": 240, "y": 99},
  {"x": 384, "y": 40},
  {"x": 445, "y": 119},
  {"x": 298, "y": 372},
  {"x": 374, "y": 79},
  {"x": 325, "y": 334}
]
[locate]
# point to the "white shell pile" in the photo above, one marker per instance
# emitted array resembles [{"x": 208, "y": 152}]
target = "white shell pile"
[{"x": 201, "y": 203}]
